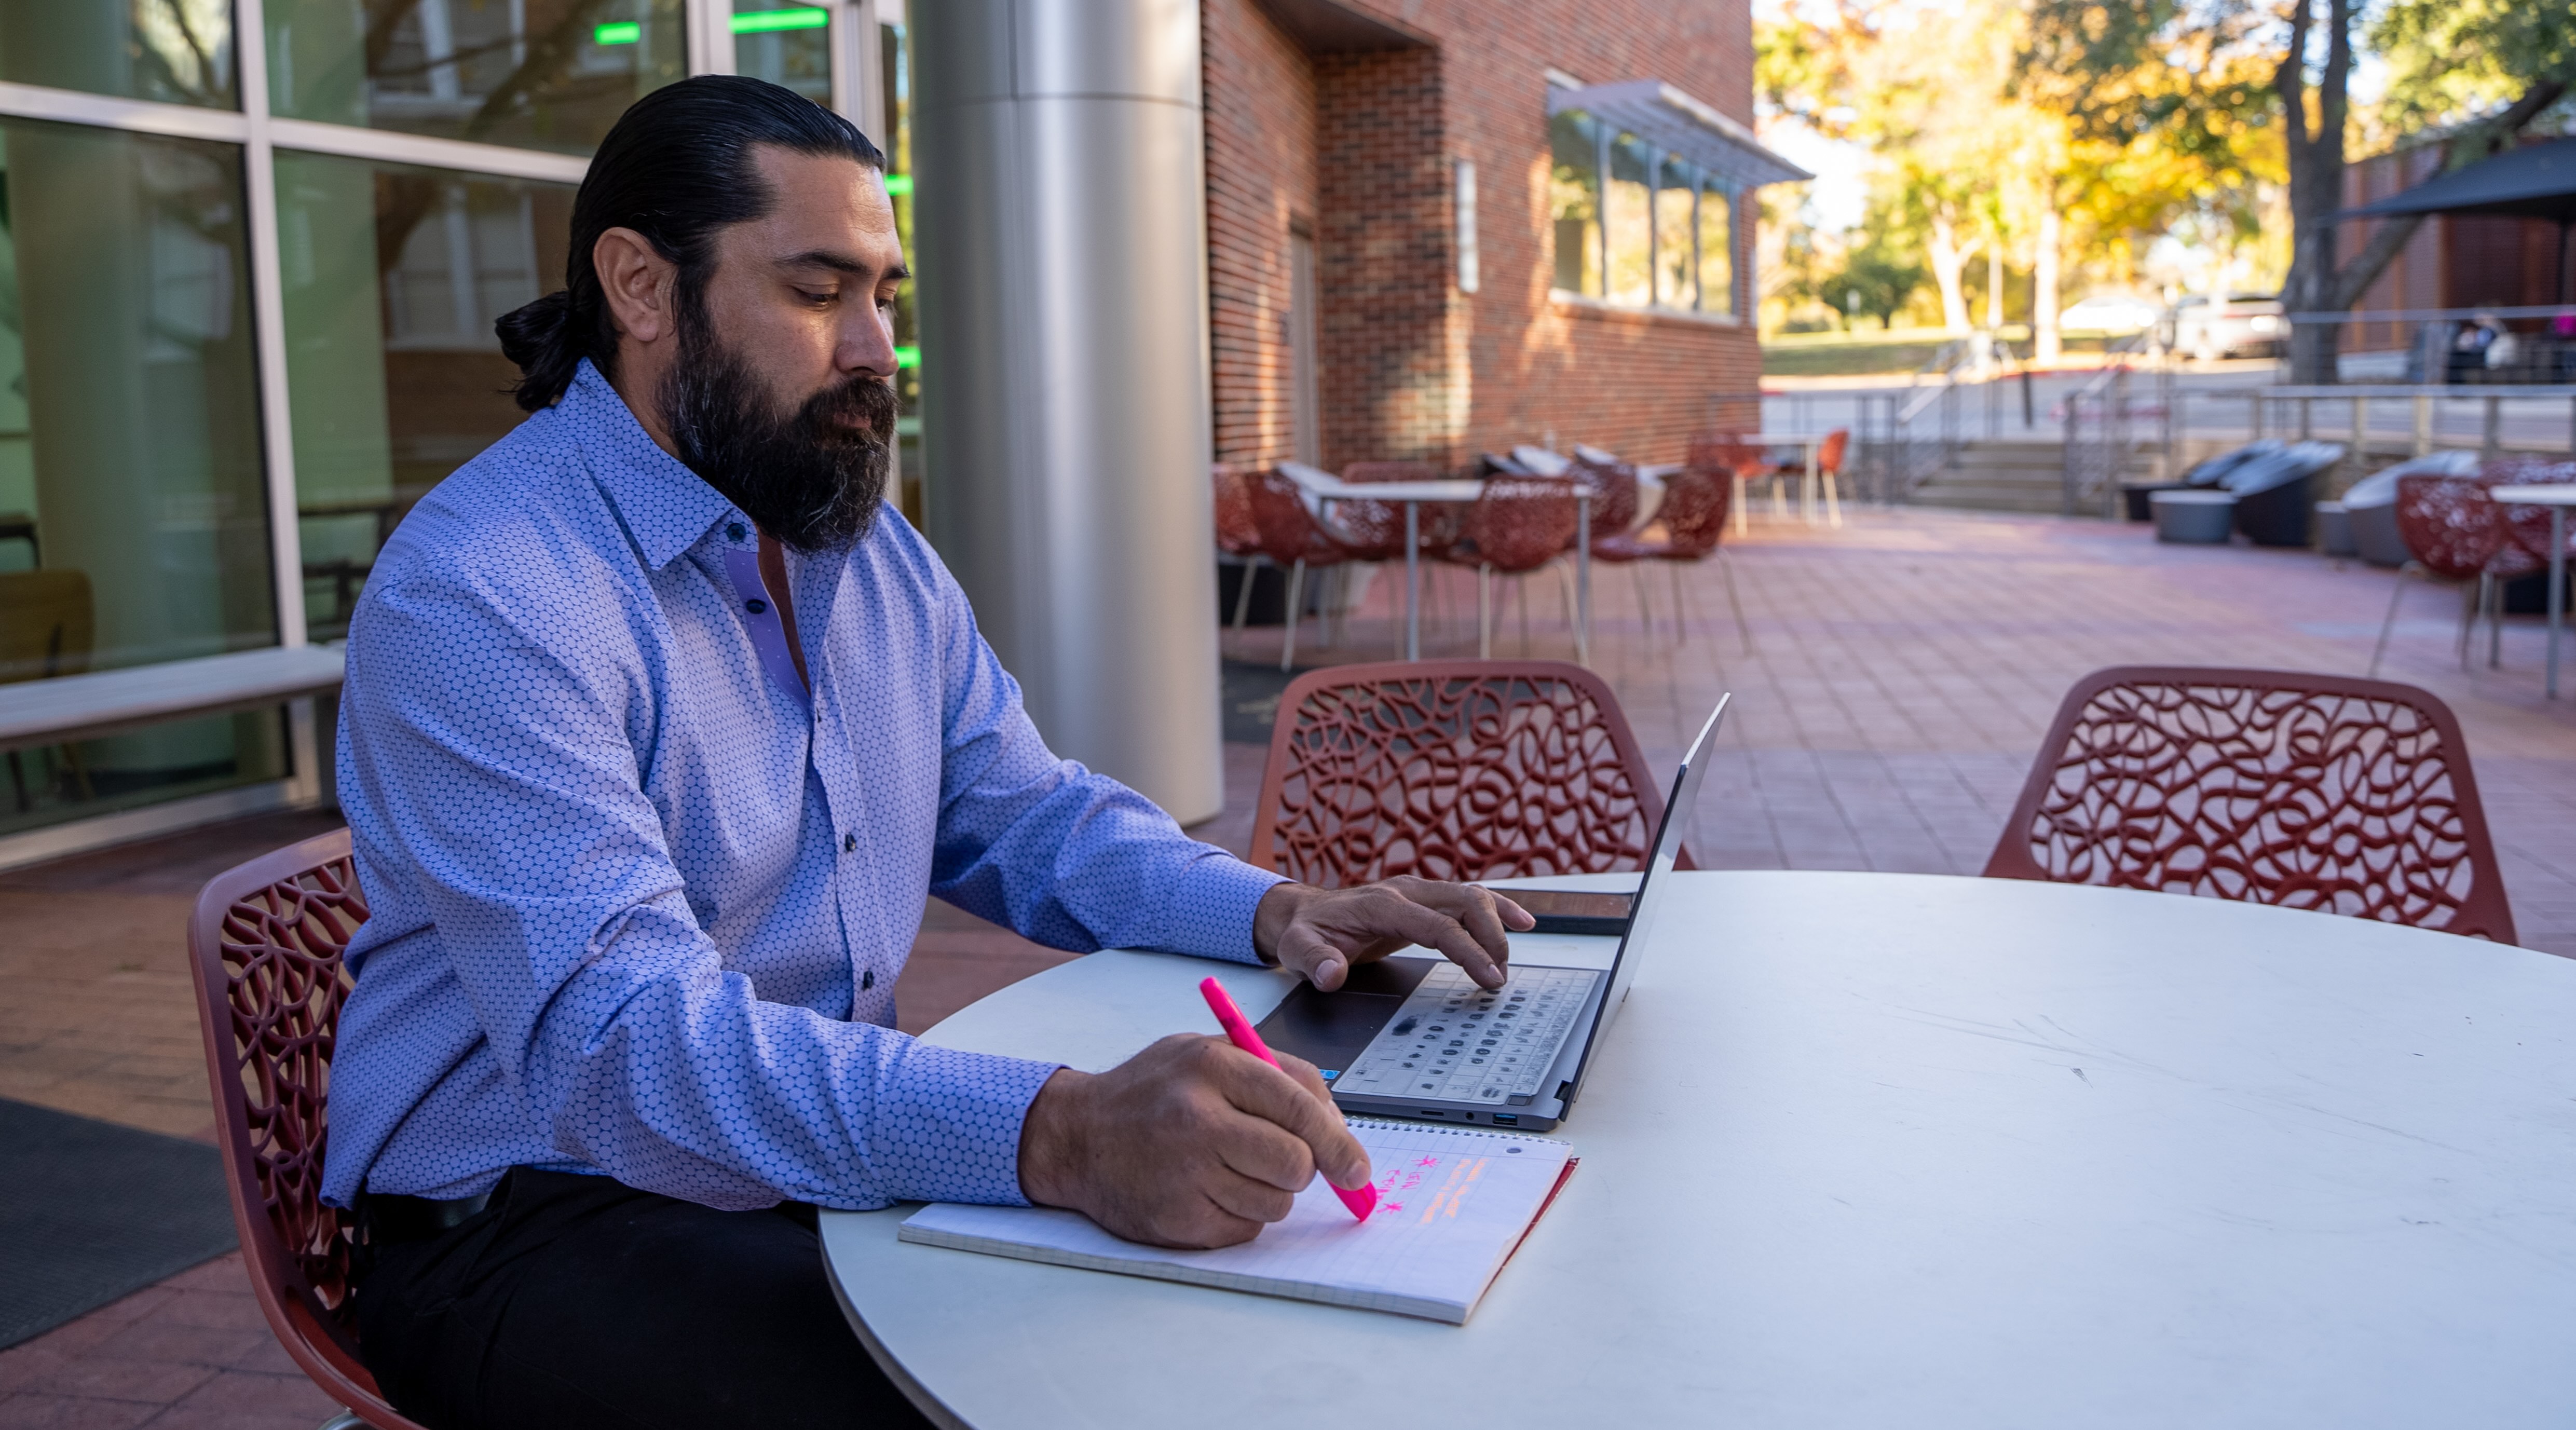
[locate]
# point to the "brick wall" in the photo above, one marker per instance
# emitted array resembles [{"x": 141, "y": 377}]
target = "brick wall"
[{"x": 1411, "y": 367}]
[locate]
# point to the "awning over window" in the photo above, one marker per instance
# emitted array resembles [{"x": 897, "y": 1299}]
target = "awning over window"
[{"x": 1682, "y": 126}]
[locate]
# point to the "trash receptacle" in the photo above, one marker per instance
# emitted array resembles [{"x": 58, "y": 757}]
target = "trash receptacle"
[{"x": 2193, "y": 518}]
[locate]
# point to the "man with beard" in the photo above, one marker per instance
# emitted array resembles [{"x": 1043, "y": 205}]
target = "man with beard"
[{"x": 658, "y": 727}]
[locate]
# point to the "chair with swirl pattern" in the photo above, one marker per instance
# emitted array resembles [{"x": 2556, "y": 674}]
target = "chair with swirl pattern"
[
  {"x": 1453, "y": 769},
  {"x": 2323, "y": 792}
]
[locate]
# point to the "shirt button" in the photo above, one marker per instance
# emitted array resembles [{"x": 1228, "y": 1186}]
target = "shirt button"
[
  {"x": 734, "y": 531},
  {"x": 849, "y": 843},
  {"x": 867, "y": 980},
  {"x": 755, "y": 605}
]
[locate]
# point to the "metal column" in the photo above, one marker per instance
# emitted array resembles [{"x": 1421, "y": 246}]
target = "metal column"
[{"x": 1062, "y": 248}]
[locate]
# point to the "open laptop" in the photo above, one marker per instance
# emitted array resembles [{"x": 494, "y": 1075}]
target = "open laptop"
[{"x": 1415, "y": 1037}]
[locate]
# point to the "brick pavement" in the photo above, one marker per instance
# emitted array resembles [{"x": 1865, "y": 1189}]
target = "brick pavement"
[{"x": 1904, "y": 670}]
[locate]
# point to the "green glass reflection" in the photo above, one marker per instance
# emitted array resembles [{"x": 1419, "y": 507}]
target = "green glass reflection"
[
  {"x": 1626, "y": 206},
  {"x": 174, "y": 51},
  {"x": 133, "y": 521},
  {"x": 540, "y": 74},
  {"x": 392, "y": 277},
  {"x": 1574, "y": 201},
  {"x": 895, "y": 72},
  {"x": 1675, "y": 228},
  {"x": 790, "y": 46}
]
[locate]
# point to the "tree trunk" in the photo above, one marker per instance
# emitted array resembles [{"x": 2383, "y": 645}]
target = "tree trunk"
[
  {"x": 2316, "y": 187},
  {"x": 2045, "y": 345},
  {"x": 1994, "y": 285},
  {"x": 1949, "y": 261}
]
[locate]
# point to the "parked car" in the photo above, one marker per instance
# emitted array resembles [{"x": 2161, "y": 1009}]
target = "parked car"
[
  {"x": 2112, "y": 313},
  {"x": 2248, "y": 325}
]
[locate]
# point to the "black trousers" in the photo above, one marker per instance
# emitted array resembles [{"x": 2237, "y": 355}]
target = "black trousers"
[{"x": 576, "y": 1301}]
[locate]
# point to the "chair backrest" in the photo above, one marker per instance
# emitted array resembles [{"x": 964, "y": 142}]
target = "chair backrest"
[
  {"x": 1693, "y": 513},
  {"x": 2527, "y": 526},
  {"x": 265, "y": 944},
  {"x": 2449, "y": 523},
  {"x": 1289, "y": 532},
  {"x": 47, "y": 625},
  {"x": 2316, "y": 792},
  {"x": 1521, "y": 523},
  {"x": 1831, "y": 451},
  {"x": 1614, "y": 493},
  {"x": 1452, "y": 769},
  {"x": 1725, "y": 453},
  {"x": 1236, "y": 535},
  {"x": 1358, "y": 472}
]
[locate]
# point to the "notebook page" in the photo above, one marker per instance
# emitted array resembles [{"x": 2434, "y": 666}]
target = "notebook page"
[{"x": 1453, "y": 1203}]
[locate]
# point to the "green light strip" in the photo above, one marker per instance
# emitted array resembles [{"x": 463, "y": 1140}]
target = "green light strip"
[
  {"x": 762, "y": 22},
  {"x": 622, "y": 32},
  {"x": 908, "y": 355},
  {"x": 897, "y": 185}
]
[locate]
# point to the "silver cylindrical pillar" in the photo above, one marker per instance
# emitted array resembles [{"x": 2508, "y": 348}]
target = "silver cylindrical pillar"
[{"x": 1060, "y": 224}]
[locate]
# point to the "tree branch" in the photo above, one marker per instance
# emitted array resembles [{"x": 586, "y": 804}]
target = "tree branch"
[{"x": 2468, "y": 148}]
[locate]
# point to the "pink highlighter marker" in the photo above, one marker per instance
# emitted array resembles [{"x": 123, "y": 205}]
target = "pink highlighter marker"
[{"x": 1239, "y": 1029}]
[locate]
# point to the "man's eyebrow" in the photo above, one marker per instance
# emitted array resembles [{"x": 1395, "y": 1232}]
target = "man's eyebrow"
[{"x": 826, "y": 258}]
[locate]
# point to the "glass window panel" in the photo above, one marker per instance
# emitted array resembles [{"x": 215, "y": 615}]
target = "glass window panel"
[
  {"x": 392, "y": 278},
  {"x": 787, "y": 45},
  {"x": 133, "y": 514},
  {"x": 174, "y": 51},
  {"x": 1630, "y": 281},
  {"x": 1574, "y": 200},
  {"x": 1673, "y": 257},
  {"x": 1716, "y": 252},
  {"x": 893, "y": 58},
  {"x": 539, "y": 74}
]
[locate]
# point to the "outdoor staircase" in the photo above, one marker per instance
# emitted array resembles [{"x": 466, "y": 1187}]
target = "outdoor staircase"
[{"x": 2009, "y": 474}]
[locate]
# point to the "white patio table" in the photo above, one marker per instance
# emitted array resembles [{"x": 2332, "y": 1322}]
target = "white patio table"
[
  {"x": 1879, "y": 1149},
  {"x": 1411, "y": 495},
  {"x": 2558, "y": 499}
]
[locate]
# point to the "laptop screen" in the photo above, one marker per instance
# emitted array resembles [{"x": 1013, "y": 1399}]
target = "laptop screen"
[{"x": 1653, "y": 888}]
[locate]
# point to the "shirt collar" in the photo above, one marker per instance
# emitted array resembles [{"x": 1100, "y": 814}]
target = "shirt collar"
[{"x": 667, "y": 507}]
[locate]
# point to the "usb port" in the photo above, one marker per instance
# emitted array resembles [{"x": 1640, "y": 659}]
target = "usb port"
[{"x": 1508, "y": 1119}]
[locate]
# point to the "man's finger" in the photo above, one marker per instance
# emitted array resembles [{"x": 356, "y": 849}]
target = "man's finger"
[
  {"x": 1433, "y": 929},
  {"x": 1482, "y": 917},
  {"x": 1274, "y": 1096},
  {"x": 1304, "y": 950}
]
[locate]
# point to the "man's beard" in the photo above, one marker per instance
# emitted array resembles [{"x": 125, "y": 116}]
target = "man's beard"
[{"x": 811, "y": 477}]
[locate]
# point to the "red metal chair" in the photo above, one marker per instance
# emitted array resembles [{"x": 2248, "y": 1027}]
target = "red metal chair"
[
  {"x": 1615, "y": 496},
  {"x": 265, "y": 944},
  {"x": 1453, "y": 769},
  {"x": 2528, "y": 525},
  {"x": 1293, "y": 538},
  {"x": 1516, "y": 526},
  {"x": 2273, "y": 787},
  {"x": 1692, "y": 518},
  {"x": 1236, "y": 533},
  {"x": 2457, "y": 532},
  {"x": 1733, "y": 457}
]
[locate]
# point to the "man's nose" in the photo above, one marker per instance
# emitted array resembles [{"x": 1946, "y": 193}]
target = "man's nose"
[{"x": 867, "y": 345}]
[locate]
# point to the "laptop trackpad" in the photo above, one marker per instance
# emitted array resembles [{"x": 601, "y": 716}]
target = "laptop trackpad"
[{"x": 1330, "y": 1029}]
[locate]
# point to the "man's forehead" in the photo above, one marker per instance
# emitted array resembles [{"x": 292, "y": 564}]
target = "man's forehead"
[{"x": 823, "y": 203}]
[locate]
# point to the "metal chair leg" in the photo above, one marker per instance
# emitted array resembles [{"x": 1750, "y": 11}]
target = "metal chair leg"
[
  {"x": 1833, "y": 503},
  {"x": 344, "y": 1421},
  {"x": 1565, "y": 592},
  {"x": 1484, "y": 613},
  {"x": 1743, "y": 632},
  {"x": 2495, "y": 624},
  {"x": 2396, "y": 589},
  {"x": 1243, "y": 593},
  {"x": 1681, "y": 613},
  {"x": 1645, "y": 611},
  {"x": 2472, "y": 600},
  {"x": 1296, "y": 593},
  {"x": 1520, "y": 597}
]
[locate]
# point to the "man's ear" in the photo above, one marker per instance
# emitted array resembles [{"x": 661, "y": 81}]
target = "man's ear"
[{"x": 637, "y": 282}]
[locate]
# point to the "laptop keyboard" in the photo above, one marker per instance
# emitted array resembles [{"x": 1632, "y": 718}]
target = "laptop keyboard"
[{"x": 1455, "y": 1042}]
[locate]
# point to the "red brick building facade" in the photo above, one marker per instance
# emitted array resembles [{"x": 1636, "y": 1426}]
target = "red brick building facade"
[{"x": 1333, "y": 135}]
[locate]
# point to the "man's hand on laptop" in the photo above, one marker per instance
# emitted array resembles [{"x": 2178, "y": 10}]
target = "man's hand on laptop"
[
  {"x": 1192, "y": 1142},
  {"x": 1322, "y": 932}
]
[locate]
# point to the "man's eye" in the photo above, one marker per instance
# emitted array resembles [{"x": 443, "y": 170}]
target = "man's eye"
[{"x": 817, "y": 299}]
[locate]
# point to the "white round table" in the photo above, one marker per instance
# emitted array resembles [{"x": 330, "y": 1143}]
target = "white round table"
[{"x": 1882, "y": 1150}]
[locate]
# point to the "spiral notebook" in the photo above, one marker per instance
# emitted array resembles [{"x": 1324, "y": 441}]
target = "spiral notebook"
[{"x": 1454, "y": 1203}]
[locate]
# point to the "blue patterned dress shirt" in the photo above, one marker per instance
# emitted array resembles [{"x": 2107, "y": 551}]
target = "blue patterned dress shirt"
[{"x": 639, "y": 900}]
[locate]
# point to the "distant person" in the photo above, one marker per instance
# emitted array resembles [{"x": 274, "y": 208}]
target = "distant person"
[
  {"x": 2469, "y": 347},
  {"x": 659, "y": 725}
]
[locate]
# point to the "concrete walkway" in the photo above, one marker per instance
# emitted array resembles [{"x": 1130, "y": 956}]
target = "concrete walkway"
[{"x": 1903, "y": 670}]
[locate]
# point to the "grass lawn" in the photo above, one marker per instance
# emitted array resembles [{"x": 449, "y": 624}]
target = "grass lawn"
[{"x": 1871, "y": 350}]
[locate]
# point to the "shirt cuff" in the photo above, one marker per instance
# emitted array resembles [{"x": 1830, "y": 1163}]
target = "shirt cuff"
[
  {"x": 1210, "y": 910},
  {"x": 947, "y": 1125}
]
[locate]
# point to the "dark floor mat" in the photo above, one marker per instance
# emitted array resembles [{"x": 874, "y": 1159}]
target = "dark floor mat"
[
  {"x": 1252, "y": 700},
  {"x": 90, "y": 1211}
]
